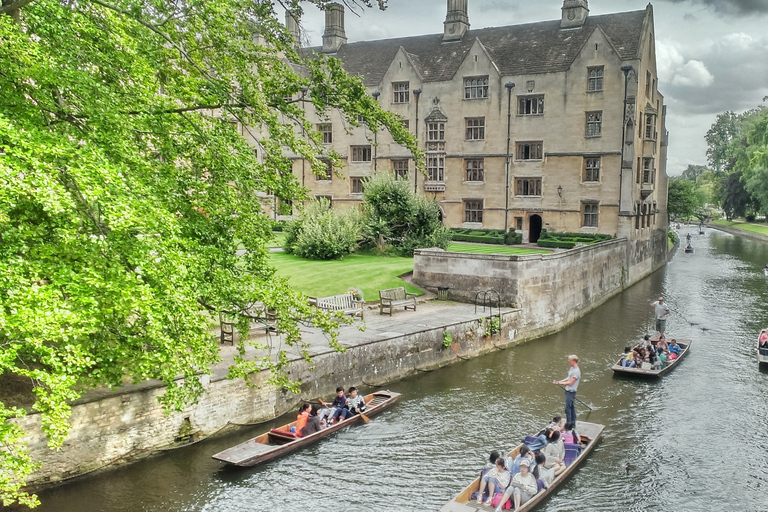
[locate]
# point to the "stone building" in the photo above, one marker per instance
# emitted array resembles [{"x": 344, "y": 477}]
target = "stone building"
[{"x": 555, "y": 125}]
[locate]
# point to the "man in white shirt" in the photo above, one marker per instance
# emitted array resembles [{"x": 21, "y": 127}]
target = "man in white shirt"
[
  {"x": 661, "y": 310},
  {"x": 571, "y": 384}
]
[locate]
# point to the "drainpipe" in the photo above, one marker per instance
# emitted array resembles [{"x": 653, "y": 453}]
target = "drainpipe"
[
  {"x": 376, "y": 95},
  {"x": 626, "y": 69},
  {"x": 509, "y": 86},
  {"x": 416, "y": 93}
]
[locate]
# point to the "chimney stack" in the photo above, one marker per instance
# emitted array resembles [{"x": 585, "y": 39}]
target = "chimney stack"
[
  {"x": 334, "y": 35},
  {"x": 574, "y": 13},
  {"x": 456, "y": 21},
  {"x": 292, "y": 24}
]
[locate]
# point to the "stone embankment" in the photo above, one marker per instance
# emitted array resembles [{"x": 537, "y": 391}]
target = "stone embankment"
[{"x": 739, "y": 232}]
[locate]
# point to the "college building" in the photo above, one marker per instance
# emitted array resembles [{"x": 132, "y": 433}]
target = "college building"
[{"x": 553, "y": 125}]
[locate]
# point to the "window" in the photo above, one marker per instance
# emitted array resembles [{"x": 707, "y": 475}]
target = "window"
[
  {"x": 476, "y": 88},
  {"x": 595, "y": 79},
  {"x": 519, "y": 223},
  {"x": 529, "y": 150},
  {"x": 591, "y": 169},
  {"x": 650, "y": 127},
  {"x": 326, "y": 129},
  {"x": 361, "y": 153},
  {"x": 473, "y": 210},
  {"x": 648, "y": 170},
  {"x": 357, "y": 185},
  {"x": 475, "y": 170},
  {"x": 328, "y": 176},
  {"x": 406, "y": 124},
  {"x": 590, "y": 215},
  {"x": 284, "y": 207},
  {"x": 400, "y": 168},
  {"x": 328, "y": 198},
  {"x": 435, "y": 132},
  {"x": 647, "y": 84},
  {"x": 594, "y": 124},
  {"x": 401, "y": 92},
  {"x": 435, "y": 168},
  {"x": 475, "y": 128},
  {"x": 530, "y": 105},
  {"x": 528, "y": 186}
]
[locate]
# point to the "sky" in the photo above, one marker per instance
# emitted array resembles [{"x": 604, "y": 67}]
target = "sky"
[{"x": 712, "y": 55}]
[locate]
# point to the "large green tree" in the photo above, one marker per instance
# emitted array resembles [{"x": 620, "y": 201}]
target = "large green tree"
[
  {"x": 682, "y": 200},
  {"x": 129, "y": 213}
]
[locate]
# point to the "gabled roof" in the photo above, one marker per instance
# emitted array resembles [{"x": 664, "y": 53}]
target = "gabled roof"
[{"x": 528, "y": 49}]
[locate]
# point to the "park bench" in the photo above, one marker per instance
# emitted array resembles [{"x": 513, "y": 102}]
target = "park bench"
[
  {"x": 345, "y": 303},
  {"x": 395, "y": 298}
]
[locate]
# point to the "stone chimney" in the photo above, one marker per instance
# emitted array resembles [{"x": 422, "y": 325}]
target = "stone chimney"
[
  {"x": 574, "y": 13},
  {"x": 334, "y": 35},
  {"x": 292, "y": 24},
  {"x": 456, "y": 21}
]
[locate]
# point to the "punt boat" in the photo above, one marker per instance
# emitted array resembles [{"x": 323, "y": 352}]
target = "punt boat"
[
  {"x": 762, "y": 353},
  {"x": 589, "y": 433},
  {"x": 280, "y": 441},
  {"x": 684, "y": 344}
]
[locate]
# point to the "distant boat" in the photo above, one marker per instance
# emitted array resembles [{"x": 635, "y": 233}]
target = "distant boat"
[
  {"x": 689, "y": 250},
  {"x": 280, "y": 441},
  {"x": 684, "y": 344},
  {"x": 762, "y": 352}
]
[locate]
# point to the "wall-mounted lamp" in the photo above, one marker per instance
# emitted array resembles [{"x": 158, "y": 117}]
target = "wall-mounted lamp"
[
  {"x": 560, "y": 191},
  {"x": 416, "y": 92},
  {"x": 376, "y": 95}
]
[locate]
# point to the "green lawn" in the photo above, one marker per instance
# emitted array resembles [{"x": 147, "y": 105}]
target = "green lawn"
[
  {"x": 754, "y": 228},
  {"x": 364, "y": 271},
  {"x": 278, "y": 240},
  {"x": 493, "y": 249}
]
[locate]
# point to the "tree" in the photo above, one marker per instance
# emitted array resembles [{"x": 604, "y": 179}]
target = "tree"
[
  {"x": 735, "y": 199},
  {"x": 753, "y": 162},
  {"x": 127, "y": 189},
  {"x": 692, "y": 172},
  {"x": 682, "y": 199}
]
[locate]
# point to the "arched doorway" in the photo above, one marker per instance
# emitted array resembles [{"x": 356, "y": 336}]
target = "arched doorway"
[{"x": 535, "y": 229}]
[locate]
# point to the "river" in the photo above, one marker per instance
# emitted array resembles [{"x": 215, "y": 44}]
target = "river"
[{"x": 692, "y": 441}]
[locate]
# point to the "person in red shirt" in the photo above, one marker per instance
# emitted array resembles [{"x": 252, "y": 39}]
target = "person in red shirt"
[{"x": 301, "y": 419}]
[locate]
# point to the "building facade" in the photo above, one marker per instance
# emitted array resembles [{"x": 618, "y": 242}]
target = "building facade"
[{"x": 554, "y": 125}]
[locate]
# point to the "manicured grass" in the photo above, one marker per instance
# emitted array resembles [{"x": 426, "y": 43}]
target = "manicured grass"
[
  {"x": 364, "y": 271},
  {"x": 278, "y": 240},
  {"x": 493, "y": 249},
  {"x": 754, "y": 228}
]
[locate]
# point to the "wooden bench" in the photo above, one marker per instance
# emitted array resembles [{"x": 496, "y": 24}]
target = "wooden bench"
[
  {"x": 345, "y": 303},
  {"x": 395, "y": 298}
]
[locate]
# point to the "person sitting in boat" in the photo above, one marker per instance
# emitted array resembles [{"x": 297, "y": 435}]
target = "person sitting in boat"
[
  {"x": 543, "y": 473},
  {"x": 662, "y": 345},
  {"x": 301, "y": 419},
  {"x": 674, "y": 348},
  {"x": 523, "y": 454},
  {"x": 355, "y": 402},
  {"x": 762, "y": 340},
  {"x": 541, "y": 440},
  {"x": 522, "y": 488},
  {"x": 556, "y": 424},
  {"x": 491, "y": 462},
  {"x": 313, "y": 422},
  {"x": 497, "y": 479},
  {"x": 338, "y": 408},
  {"x": 663, "y": 354},
  {"x": 569, "y": 435},
  {"x": 555, "y": 453},
  {"x": 638, "y": 358},
  {"x": 628, "y": 359}
]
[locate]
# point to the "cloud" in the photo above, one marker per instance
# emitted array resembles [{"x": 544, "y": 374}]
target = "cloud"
[
  {"x": 693, "y": 74},
  {"x": 731, "y": 7}
]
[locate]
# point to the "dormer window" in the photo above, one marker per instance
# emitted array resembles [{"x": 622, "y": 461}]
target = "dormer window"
[
  {"x": 476, "y": 88},
  {"x": 401, "y": 92}
]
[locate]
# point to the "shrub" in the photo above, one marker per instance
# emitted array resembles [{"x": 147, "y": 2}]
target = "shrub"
[
  {"x": 396, "y": 216},
  {"x": 555, "y": 244},
  {"x": 513, "y": 238},
  {"x": 672, "y": 236},
  {"x": 322, "y": 233}
]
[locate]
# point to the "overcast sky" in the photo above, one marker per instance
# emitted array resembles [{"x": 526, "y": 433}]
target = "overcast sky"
[{"x": 712, "y": 54}]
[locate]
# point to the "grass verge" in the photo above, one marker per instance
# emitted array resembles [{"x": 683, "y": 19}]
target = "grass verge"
[
  {"x": 761, "y": 229},
  {"x": 493, "y": 249}
]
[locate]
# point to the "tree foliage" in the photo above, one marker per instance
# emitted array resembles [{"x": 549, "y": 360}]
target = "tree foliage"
[
  {"x": 323, "y": 233},
  {"x": 401, "y": 218},
  {"x": 736, "y": 201},
  {"x": 682, "y": 199},
  {"x": 128, "y": 188}
]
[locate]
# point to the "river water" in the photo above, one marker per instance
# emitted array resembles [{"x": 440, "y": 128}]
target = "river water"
[{"x": 695, "y": 440}]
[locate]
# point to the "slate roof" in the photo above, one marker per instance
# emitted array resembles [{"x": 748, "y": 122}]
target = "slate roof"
[{"x": 528, "y": 49}]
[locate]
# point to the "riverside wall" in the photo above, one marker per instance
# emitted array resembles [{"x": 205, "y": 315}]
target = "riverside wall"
[
  {"x": 739, "y": 232},
  {"x": 551, "y": 290},
  {"x": 118, "y": 427}
]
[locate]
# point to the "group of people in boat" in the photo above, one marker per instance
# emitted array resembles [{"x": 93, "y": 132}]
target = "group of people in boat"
[
  {"x": 315, "y": 417},
  {"x": 510, "y": 482},
  {"x": 651, "y": 354}
]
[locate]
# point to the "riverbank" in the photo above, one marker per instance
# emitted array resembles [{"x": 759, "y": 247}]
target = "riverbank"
[{"x": 755, "y": 231}]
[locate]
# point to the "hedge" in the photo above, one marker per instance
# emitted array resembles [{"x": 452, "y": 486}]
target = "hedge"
[
  {"x": 555, "y": 244},
  {"x": 486, "y": 236},
  {"x": 480, "y": 239}
]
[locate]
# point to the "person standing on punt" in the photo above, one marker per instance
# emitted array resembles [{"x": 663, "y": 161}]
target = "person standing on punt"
[
  {"x": 661, "y": 310},
  {"x": 571, "y": 384}
]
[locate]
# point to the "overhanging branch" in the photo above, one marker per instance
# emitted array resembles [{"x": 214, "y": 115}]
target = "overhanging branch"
[{"x": 15, "y": 6}]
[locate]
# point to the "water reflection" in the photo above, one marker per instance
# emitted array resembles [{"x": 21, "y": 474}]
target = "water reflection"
[{"x": 665, "y": 443}]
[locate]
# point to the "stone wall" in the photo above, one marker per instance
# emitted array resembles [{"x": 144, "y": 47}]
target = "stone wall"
[
  {"x": 551, "y": 290},
  {"x": 130, "y": 424}
]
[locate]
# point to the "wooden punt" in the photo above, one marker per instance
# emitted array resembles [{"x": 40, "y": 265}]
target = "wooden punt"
[
  {"x": 684, "y": 344},
  {"x": 273, "y": 444},
  {"x": 762, "y": 353},
  {"x": 589, "y": 432}
]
